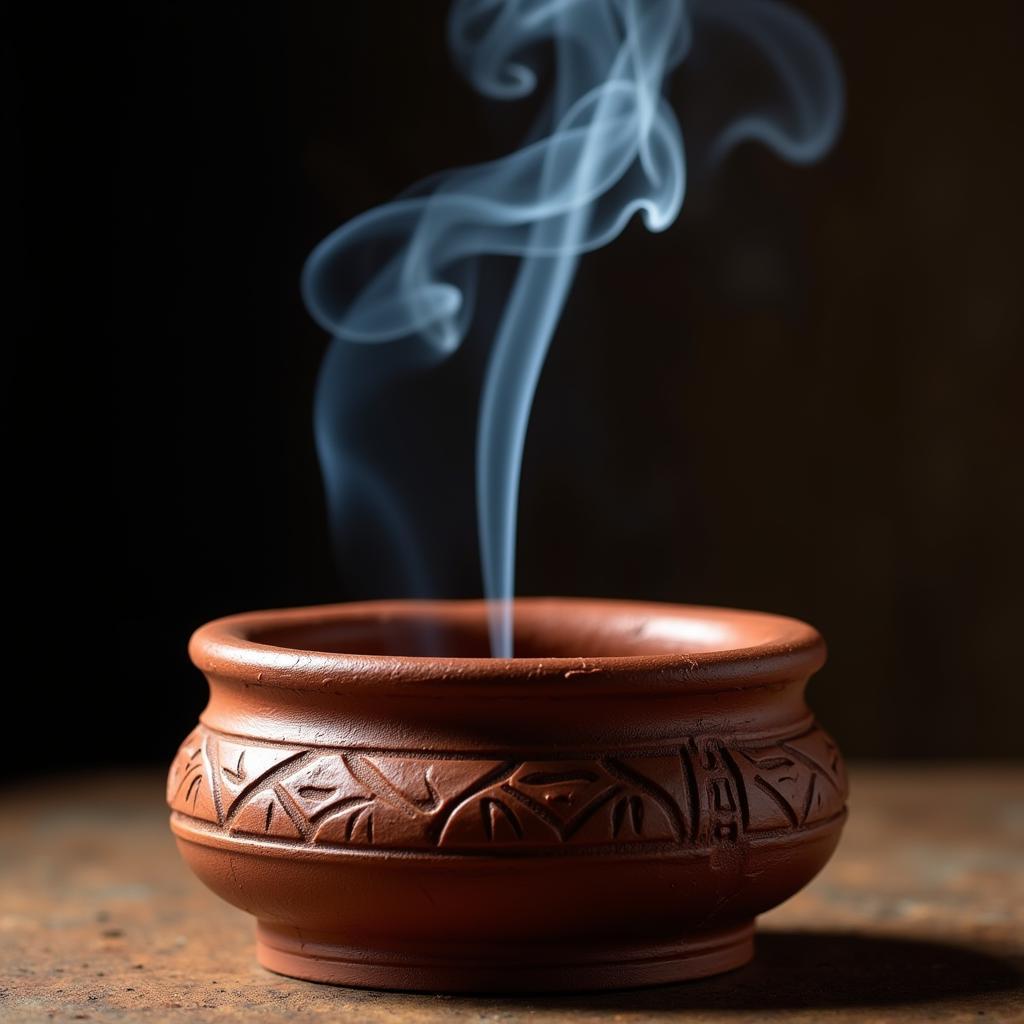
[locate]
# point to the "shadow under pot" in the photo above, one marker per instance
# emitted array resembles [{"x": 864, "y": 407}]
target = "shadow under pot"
[{"x": 611, "y": 808}]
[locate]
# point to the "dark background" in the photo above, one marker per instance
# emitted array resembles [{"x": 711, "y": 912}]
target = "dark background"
[{"x": 804, "y": 397}]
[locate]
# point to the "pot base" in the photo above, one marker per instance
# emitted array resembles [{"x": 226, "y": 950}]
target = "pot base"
[{"x": 282, "y": 951}]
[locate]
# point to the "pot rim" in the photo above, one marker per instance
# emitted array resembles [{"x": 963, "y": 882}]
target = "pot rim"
[{"x": 779, "y": 649}]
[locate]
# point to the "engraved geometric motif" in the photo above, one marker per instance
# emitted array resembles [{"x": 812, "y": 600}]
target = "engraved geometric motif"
[{"x": 699, "y": 793}]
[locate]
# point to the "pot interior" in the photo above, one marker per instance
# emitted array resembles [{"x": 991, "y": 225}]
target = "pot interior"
[{"x": 544, "y": 628}]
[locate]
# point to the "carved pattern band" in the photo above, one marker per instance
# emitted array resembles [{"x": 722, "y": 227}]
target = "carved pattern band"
[{"x": 699, "y": 793}]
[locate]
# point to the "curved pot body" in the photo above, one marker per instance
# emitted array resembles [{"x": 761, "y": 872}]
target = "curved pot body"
[{"x": 611, "y": 809}]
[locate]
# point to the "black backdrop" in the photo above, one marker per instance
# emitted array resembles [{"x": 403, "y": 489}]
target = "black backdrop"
[{"x": 804, "y": 397}]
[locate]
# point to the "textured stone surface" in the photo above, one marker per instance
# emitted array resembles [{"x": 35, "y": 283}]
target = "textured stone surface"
[{"x": 920, "y": 916}]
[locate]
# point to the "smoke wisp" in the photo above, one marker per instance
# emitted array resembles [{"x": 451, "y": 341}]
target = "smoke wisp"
[{"x": 606, "y": 146}]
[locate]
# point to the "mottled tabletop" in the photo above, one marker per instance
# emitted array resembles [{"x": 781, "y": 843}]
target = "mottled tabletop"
[{"x": 920, "y": 916}]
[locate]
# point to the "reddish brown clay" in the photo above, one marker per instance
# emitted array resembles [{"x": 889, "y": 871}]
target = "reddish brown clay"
[{"x": 610, "y": 809}]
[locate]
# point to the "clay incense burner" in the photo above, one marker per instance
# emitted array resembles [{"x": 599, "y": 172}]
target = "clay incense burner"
[{"x": 610, "y": 809}]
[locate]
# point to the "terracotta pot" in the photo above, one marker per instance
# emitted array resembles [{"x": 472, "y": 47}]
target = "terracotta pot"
[{"x": 610, "y": 809}]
